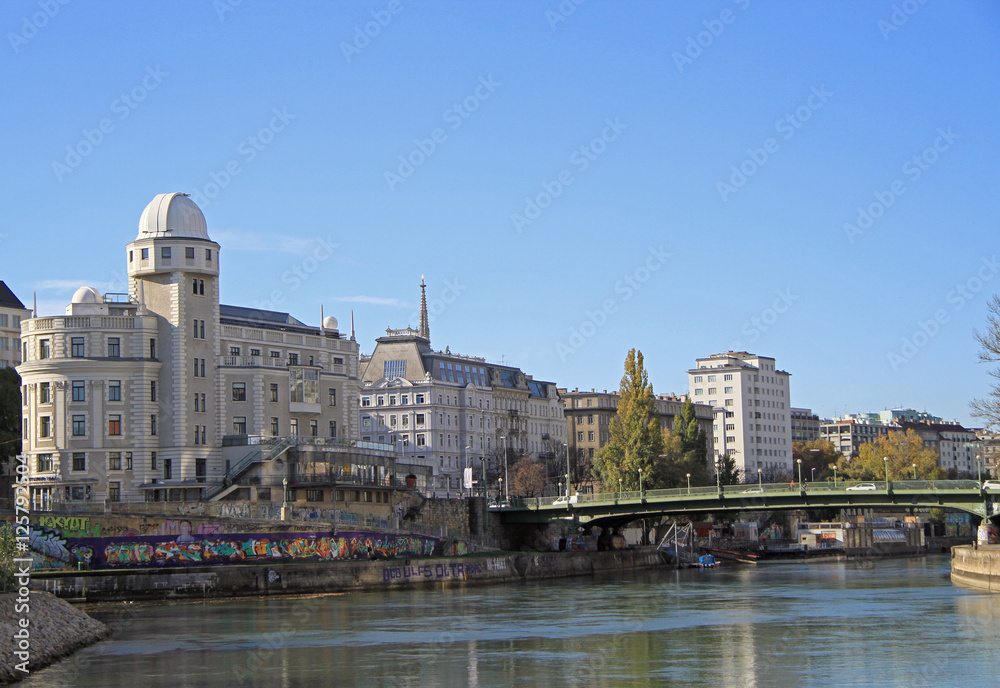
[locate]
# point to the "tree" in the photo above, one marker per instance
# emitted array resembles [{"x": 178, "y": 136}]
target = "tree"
[
  {"x": 529, "y": 477},
  {"x": 10, "y": 412},
  {"x": 675, "y": 464},
  {"x": 694, "y": 438},
  {"x": 729, "y": 474},
  {"x": 902, "y": 450},
  {"x": 818, "y": 454},
  {"x": 988, "y": 408},
  {"x": 636, "y": 439}
]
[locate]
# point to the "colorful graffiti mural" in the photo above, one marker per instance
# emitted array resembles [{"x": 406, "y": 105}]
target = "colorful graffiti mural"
[{"x": 54, "y": 551}]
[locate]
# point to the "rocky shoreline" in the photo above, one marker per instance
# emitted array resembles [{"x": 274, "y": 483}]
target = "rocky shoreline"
[{"x": 55, "y": 629}]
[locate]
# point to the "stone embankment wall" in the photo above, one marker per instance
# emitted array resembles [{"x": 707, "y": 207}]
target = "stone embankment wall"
[
  {"x": 976, "y": 567},
  {"x": 55, "y": 629},
  {"x": 336, "y": 576}
]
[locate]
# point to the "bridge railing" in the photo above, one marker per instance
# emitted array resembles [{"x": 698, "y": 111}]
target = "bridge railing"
[{"x": 745, "y": 490}]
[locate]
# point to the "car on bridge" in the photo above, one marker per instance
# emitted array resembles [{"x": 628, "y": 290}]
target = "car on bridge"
[
  {"x": 753, "y": 490},
  {"x": 862, "y": 487},
  {"x": 989, "y": 485},
  {"x": 563, "y": 501}
]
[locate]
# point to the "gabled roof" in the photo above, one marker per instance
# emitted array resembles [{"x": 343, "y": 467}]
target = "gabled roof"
[{"x": 7, "y": 298}]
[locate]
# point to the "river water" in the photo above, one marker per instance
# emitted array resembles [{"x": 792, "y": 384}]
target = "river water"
[{"x": 885, "y": 623}]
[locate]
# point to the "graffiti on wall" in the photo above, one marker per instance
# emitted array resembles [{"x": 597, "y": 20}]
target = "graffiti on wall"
[
  {"x": 71, "y": 526},
  {"x": 54, "y": 551}
]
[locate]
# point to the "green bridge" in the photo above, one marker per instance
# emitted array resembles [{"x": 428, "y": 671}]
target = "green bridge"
[{"x": 613, "y": 509}]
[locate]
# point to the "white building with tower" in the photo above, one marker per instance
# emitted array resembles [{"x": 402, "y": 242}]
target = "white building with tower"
[
  {"x": 133, "y": 396},
  {"x": 753, "y": 421}
]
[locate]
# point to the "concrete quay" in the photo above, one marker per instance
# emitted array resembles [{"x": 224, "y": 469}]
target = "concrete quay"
[{"x": 976, "y": 567}]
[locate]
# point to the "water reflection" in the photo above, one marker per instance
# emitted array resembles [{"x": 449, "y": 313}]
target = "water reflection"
[{"x": 890, "y": 623}]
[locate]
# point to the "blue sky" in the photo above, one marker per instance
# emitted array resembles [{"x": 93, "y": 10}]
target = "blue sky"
[{"x": 811, "y": 181}]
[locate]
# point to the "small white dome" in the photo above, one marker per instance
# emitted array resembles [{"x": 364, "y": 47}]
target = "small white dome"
[
  {"x": 87, "y": 295},
  {"x": 171, "y": 216},
  {"x": 329, "y": 323}
]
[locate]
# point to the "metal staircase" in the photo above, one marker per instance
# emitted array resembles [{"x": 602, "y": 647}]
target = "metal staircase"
[{"x": 260, "y": 453}]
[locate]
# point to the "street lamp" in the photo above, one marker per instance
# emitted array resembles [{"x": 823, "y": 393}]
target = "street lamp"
[
  {"x": 503, "y": 438},
  {"x": 689, "y": 483},
  {"x": 500, "y": 495},
  {"x": 640, "y": 483},
  {"x": 799, "y": 461},
  {"x": 834, "y": 467},
  {"x": 619, "y": 488},
  {"x": 812, "y": 476},
  {"x": 760, "y": 479},
  {"x": 914, "y": 471},
  {"x": 284, "y": 498},
  {"x": 886, "y": 459}
]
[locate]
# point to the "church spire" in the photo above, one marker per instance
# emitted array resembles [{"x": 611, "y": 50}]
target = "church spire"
[{"x": 425, "y": 330}]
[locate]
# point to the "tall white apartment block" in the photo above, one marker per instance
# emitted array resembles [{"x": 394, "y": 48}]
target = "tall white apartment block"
[{"x": 753, "y": 421}]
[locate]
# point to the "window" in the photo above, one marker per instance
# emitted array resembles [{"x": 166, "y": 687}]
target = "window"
[
  {"x": 208, "y": 255},
  {"x": 165, "y": 253},
  {"x": 79, "y": 461},
  {"x": 590, "y": 436},
  {"x": 152, "y": 391},
  {"x": 76, "y": 347},
  {"x": 303, "y": 385},
  {"x": 336, "y": 359},
  {"x": 420, "y": 440},
  {"x": 293, "y": 359},
  {"x": 314, "y": 495},
  {"x": 698, "y": 391},
  {"x": 128, "y": 461},
  {"x": 198, "y": 287},
  {"x": 419, "y": 399},
  {"x": 234, "y": 351},
  {"x": 189, "y": 252},
  {"x": 333, "y": 429},
  {"x": 152, "y": 424},
  {"x": 44, "y": 462},
  {"x": 420, "y": 419},
  {"x": 144, "y": 254},
  {"x": 43, "y": 393},
  {"x": 114, "y": 461},
  {"x": 727, "y": 377},
  {"x": 274, "y": 391},
  {"x": 152, "y": 348},
  {"x": 44, "y": 426},
  {"x": 114, "y": 390},
  {"x": 728, "y": 390},
  {"x": 274, "y": 427},
  {"x": 114, "y": 492},
  {"x": 698, "y": 378},
  {"x": 167, "y": 469},
  {"x": 380, "y": 401},
  {"x": 332, "y": 395},
  {"x": 711, "y": 378},
  {"x": 366, "y": 401},
  {"x": 3, "y": 320},
  {"x": 394, "y": 369},
  {"x": 313, "y": 428},
  {"x": 79, "y": 390},
  {"x": 79, "y": 426},
  {"x": 294, "y": 427},
  {"x": 579, "y": 436},
  {"x": 115, "y": 425},
  {"x": 239, "y": 391},
  {"x": 240, "y": 425},
  {"x": 114, "y": 347},
  {"x": 711, "y": 390}
]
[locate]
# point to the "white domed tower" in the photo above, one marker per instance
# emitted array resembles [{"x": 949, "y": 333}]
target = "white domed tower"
[{"x": 173, "y": 269}]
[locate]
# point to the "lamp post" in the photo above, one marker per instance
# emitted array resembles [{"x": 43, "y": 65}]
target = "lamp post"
[
  {"x": 619, "y": 488},
  {"x": 284, "y": 498},
  {"x": 979, "y": 469},
  {"x": 799, "y": 462},
  {"x": 886, "y": 460},
  {"x": 640, "y": 483},
  {"x": 812, "y": 476},
  {"x": 914, "y": 471},
  {"x": 500, "y": 491},
  {"x": 760, "y": 479},
  {"x": 834, "y": 467},
  {"x": 566, "y": 450},
  {"x": 689, "y": 483}
]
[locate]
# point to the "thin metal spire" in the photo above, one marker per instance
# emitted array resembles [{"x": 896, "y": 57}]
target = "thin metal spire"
[{"x": 425, "y": 329}]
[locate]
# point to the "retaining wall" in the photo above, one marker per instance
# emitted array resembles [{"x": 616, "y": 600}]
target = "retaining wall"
[{"x": 977, "y": 568}]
